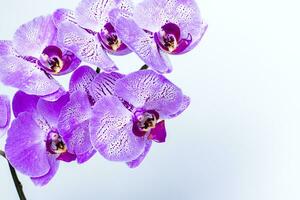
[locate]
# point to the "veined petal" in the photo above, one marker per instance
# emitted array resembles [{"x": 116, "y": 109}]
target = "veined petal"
[
  {"x": 103, "y": 85},
  {"x": 6, "y": 48},
  {"x": 78, "y": 139},
  {"x": 82, "y": 158},
  {"x": 51, "y": 110},
  {"x": 111, "y": 131},
  {"x": 62, "y": 15},
  {"x": 93, "y": 14},
  {"x": 81, "y": 79},
  {"x": 140, "y": 42},
  {"x": 153, "y": 14},
  {"x": 5, "y": 114},
  {"x": 75, "y": 112},
  {"x": 27, "y": 153},
  {"x": 84, "y": 45},
  {"x": 26, "y": 76},
  {"x": 151, "y": 91},
  {"x": 54, "y": 96},
  {"x": 136, "y": 162},
  {"x": 23, "y": 102},
  {"x": 183, "y": 106},
  {"x": 31, "y": 38},
  {"x": 43, "y": 180}
]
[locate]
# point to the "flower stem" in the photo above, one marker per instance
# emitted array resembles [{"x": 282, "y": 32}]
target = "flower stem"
[{"x": 14, "y": 175}]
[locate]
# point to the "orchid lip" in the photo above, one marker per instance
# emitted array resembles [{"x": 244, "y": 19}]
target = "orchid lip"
[
  {"x": 170, "y": 40},
  {"x": 144, "y": 121},
  {"x": 51, "y": 59},
  {"x": 55, "y": 143},
  {"x": 109, "y": 39}
]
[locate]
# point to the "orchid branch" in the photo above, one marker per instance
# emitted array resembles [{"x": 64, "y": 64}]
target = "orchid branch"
[{"x": 14, "y": 175}]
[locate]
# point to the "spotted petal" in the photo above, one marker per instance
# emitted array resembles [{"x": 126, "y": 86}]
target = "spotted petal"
[
  {"x": 93, "y": 14},
  {"x": 62, "y": 15},
  {"x": 84, "y": 45},
  {"x": 111, "y": 131},
  {"x": 27, "y": 153},
  {"x": 140, "y": 42},
  {"x": 5, "y": 114},
  {"x": 6, "y": 48},
  {"x": 25, "y": 76},
  {"x": 31, "y": 38},
  {"x": 149, "y": 90},
  {"x": 153, "y": 14},
  {"x": 81, "y": 79},
  {"x": 103, "y": 85}
]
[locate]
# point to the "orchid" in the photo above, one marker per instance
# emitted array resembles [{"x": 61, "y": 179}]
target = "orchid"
[
  {"x": 38, "y": 152},
  {"x": 33, "y": 57},
  {"x": 89, "y": 34},
  {"x": 4, "y": 114},
  {"x": 158, "y": 27},
  {"x": 117, "y": 115},
  {"x": 124, "y": 125}
]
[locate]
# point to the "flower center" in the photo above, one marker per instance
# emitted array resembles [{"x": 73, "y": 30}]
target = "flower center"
[
  {"x": 144, "y": 122},
  {"x": 109, "y": 38},
  {"x": 51, "y": 59},
  {"x": 56, "y": 144},
  {"x": 170, "y": 40}
]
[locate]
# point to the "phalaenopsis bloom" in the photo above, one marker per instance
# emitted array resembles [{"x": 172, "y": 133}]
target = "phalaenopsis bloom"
[
  {"x": 33, "y": 56},
  {"x": 116, "y": 114}
]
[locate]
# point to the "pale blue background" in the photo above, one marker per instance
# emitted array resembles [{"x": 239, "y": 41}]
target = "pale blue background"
[{"x": 239, "y": 139}]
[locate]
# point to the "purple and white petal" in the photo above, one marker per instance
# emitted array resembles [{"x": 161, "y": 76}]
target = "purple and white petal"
[
  {"x": 93, "y": 14},
  {"x": 81, "y": 79},
  {"x": 184, "y": 105},
  {"x": 51, "y": 110},
  {"x": 62, "y": 15},
  {"x": 23, "y": 102},
  {"x": 5, "y": 114},
  {"x": 27, "y": 153},
  {"x": 25, "y": 76},
  {"x": 140, "y": 42},
  {"x": 43, "y": 180},
  {"x": 111, "y": 131},
  {"x": 136, "y": 162},
  {"x": 84, "y": 45},
  {"x": 31, "y": 38},
  {"x": 151, "y": 91},
  {"x": 54, "y": 96},
  {"x": 103, "y": 85},
  {"x": 86, "y": 156},
  {"x": 153, "y": 14},
  {"x": 75, "y": 112},
  {"x": 78, "y": 139},
  {"x": 6, "y": 48}
]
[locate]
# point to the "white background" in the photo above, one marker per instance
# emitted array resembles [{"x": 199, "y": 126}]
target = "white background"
[{"x": 239, "y": 139}]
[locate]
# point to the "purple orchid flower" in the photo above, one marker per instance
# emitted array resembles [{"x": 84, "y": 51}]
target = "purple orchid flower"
[
  {"x": 34, "y": 145},
  {"x": 29, "y": 61},
  {"x": 159, "y": 27},
  {"x": 124, "y": 125},
  {"x": 89, "y": 34},
  {"x": 4, "y": 114},
  {"x": 86, "y": 87}
]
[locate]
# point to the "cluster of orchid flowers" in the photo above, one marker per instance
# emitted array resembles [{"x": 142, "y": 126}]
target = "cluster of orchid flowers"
[{"x": 104, "y": 111}]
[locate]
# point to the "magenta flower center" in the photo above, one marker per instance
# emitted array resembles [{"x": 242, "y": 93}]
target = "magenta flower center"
[
  {"x": 144, "y": 121},
  {"x": 170, "y": 40},
  {"x": 109, "y": 38},
  {"x": 55, "y": 144},
  {"x": 52, "y": 60}
]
